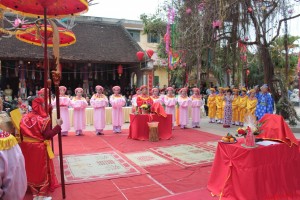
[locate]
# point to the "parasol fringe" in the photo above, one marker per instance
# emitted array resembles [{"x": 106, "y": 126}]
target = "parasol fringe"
[{"x": 55, "y": 43}]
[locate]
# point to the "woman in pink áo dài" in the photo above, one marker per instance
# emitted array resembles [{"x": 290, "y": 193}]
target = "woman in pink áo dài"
[
  {"x": 155, "y": 96},
  {"x": 64, "y": 102},
  {"x": 79, "y": 104},
  {"x": 133, "y": 101},
  {"x": 197, "y": 102},
  {"x": 170, "y": 103},
  {"x": 184, "y": 103},
  {"x": 99, "y": 101},
  {"x": 117, "y": 101}
]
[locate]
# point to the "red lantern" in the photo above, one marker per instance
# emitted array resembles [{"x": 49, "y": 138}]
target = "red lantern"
[
  {"x": 247, "y": 72},
  {"x": 228, "y": 71},
  {"x": 249, "y": 10},
  {"x": 150, "y": 53},
  {"x": 120, "y": 70},
  {"x": 140, "y": 55},
  {"x": 188, "y": 11},
  {"x": 175, "y": 55}
]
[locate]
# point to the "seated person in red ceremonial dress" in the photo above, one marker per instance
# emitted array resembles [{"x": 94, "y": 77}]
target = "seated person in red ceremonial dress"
[
  {"x": 144, "y": 98},
  {"x": 36, "y": 134}
]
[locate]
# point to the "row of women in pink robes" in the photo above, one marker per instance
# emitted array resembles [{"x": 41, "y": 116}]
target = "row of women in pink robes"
[
  {"x": 184, "y": 102},
  {"x": 98, "y": 101},
  {"x": 117, "y": 101},
  {"x": 64, "y": 103},
  {"x": 170, "y": 102},
  {"x": 79, "y": 104}
]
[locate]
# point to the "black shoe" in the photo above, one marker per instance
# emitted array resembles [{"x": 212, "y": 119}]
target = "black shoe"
[{"x": 99, "y": 133}]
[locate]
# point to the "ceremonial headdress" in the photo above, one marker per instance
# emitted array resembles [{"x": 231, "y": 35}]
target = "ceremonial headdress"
[
  {"x": 37, "y": 106},
  {"x": 153, "y": 89},
  {"x": 170, "y": 88},
  {"x": 143, "y": 87},
  {"x": 252, "y": 91},
  {"x": 78, "y": 89},
  {"x": 116, "y": 88},
  {"x": 265, "y": 86},
  {"x": 41, "y": 91},
  {"x": 196, "y": 90},
  {"x": 98, "y": 87},
  {"x": 62, "y": 88},
  {"x": 182, "y": 89}
]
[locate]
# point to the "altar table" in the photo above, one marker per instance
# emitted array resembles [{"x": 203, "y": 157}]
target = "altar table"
[
  {"x": 139, "y": 129},
  {"x": 262, "y": 173},
  {"x": 89, "y": 115}
]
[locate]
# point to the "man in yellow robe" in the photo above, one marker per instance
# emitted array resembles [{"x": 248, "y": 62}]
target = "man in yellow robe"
[
  {"x": 220, "y": 105},
  {"x": 211, "y": 104},
  {"x": 235, "y": 107},
  {"x": 243, "y": 106},
  {"x": 251, "y": 103}
]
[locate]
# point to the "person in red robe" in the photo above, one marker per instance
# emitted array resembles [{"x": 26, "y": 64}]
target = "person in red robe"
[
  {"x": 41, "y": 92},
  {"x": 144, "y": 98},
  {"x": 36, "y": 134}
]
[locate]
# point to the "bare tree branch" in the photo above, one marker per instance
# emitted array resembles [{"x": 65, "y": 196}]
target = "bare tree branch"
[
  {"x": 256, "y": 25},
  {"x": 275, "y": 4},
  {"x": 279, "y": 27}
]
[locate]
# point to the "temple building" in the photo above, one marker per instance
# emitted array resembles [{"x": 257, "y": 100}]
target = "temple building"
[{"x": 104, "y": 54}]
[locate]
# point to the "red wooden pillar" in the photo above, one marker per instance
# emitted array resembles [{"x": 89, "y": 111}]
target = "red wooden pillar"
[{"x": 150, "y": 80}]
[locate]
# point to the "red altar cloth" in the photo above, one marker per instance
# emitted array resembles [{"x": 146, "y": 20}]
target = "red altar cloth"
[
  {"x": 275, "y": 128},
  {"x": 262, "y": 173},
  {"x": 139, "y": 129}
]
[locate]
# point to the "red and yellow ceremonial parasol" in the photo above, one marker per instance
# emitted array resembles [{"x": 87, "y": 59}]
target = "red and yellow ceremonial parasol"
[
  {"x": 66, "y": 37},
  {"x": 45, "y": 9},
  {"x": 51, "y": 9},
  {"x": 54, "y": 8}
]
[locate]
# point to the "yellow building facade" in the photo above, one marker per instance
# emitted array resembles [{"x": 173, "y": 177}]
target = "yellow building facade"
[{"x": 156, "y": 76}]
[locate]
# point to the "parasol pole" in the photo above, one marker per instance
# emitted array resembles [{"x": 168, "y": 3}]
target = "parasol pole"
[
  {"x": 50, "y": 113},
  {"x": 45, "y": 61},
  {"x": 56, "y": 79},
  {"x": 56, "y": 76}
]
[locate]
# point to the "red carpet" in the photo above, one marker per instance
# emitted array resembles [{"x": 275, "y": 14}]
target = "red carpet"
[
  {"x": 180, "y": 136},
  {"x": 200, "y": 194},
  {"x": 168, "y": 180}
]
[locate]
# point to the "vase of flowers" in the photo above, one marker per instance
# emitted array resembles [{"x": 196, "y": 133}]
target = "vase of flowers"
[
  {"x": 249, "y": 137},
  {"x": 249, "y": 133},
  {"x": 145, "y": 108}
]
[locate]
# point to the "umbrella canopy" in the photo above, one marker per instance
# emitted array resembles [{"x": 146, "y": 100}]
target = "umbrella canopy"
[
  {"x": 55, "y": 8},
  {"x": 35, "y": 36}
]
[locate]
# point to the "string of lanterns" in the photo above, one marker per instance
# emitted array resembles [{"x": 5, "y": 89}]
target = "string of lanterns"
[{"x": 20, "y": 72}]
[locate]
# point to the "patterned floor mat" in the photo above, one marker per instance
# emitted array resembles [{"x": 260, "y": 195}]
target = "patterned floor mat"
[
  {"x": 146, "y": 159},
  {"x": 96, "y": 166},
  {"x": 188, "y": 154}
]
